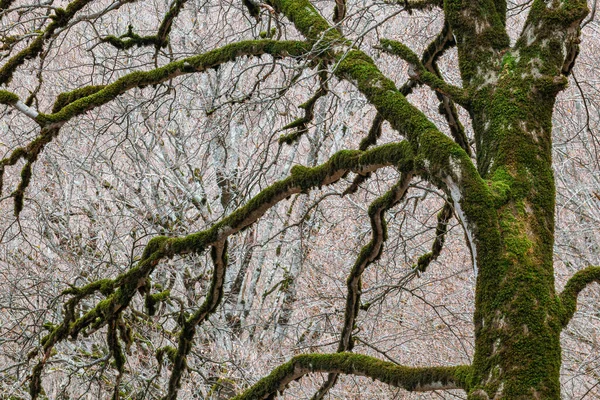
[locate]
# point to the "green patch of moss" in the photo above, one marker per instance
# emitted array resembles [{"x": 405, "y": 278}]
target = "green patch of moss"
[{"x": 8, "y": 97}]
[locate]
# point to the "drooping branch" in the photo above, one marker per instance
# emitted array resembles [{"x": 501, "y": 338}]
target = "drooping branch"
[
  {"x": 441, "y": 229},
  {"x": 301, "y": 124},
  {"x": 212, "y": 300},
  {"x": 578, "y": 282},
  {"x": 411, "y": 379},
  {"x": 368, "y": 141},
  {"x": 30, "y": 154},
  {"x": 369, "y": 254},
  {"x": 443, "y": 41}
]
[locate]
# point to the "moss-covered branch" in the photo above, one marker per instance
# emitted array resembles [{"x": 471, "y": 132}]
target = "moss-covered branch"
[
  {"x": 60, "y": 19},
  {"x": 165, "y": 26},
  {"x": 198, "y": 63},
  {"x": 30, "y": 155},
  {"x": 411, "y": 379},
  {"x": 443, "y": 162},
  {"x": 412, "y": 5},
  {"x": 420, "y": 73},
  {"x": 160, "y": 40},
  {"x": 578, "y": 282},
  {"x": 441, "y": 229},
  {"x": 368, "y": 255},
  {"x": 443, "y": 41},
  {"x": 209, "y": 306},
  {"x": 301, "y": 124},
  {"x": 551, "y": 35},
  {"x": 71, "y": 104},
  {"x": 370, "y": 140},
  {"x": 132, "y": 39}
]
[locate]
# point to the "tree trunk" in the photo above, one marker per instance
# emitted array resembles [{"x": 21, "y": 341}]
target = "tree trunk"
[{"x": 517, "y": 320}]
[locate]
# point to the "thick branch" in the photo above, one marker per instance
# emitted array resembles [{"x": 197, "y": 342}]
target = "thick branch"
[
  {"x": 199, "y": 63},
  {"x": 411, "y": 379},
  {"x": 552, "y": 35},
  {"x": 444, "y": 162},
  {"x": 575, "y": 285},
  {"x": 480, "y": 36}
]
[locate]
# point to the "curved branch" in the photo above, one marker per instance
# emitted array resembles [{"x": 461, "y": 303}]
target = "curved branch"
[
  {"x": 369, "y": 254},
  {"x": 77, "y": 102},
  {"x": 441, "y": 229},
  {"x": 198, "y": 63},
  {"x": 411, "y": 379},
  {"x": 309, "y": 112},
  {"x": 578, "y": 282},
  {"x": 60, "y": 19},
  {"x": 443, "y": 162},
  {"x": 213, "y": 299}
]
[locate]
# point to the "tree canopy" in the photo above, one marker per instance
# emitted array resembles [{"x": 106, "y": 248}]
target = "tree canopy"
[{"x": 248, "y": 199}]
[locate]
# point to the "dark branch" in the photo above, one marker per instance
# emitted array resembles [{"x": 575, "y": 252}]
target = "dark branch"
[
  {"x": 213, "y": 299},
  {"x": 369, "y": 254},
  {"x": 440, "y": 236},
  {"x": 309, "y": 112},
  {"x": 421, "y": 74},
  {"x": 575, "y": 285}
]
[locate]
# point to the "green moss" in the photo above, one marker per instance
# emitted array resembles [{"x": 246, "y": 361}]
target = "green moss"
[
  {"x": 169, "y": 351},
  {"x": 8, "y": 97},
  {"x": 567, "y": 302},
  {"x": 131, "y": 39},
  {"x": 153, "y": 299},
  {"x": 197, "y": 63},
  {"x": 349, "y": 363}
]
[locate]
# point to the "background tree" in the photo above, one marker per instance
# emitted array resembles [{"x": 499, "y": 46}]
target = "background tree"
[{"x": 211, "y": 199}]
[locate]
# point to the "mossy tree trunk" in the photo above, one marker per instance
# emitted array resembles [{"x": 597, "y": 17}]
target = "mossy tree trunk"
[{"x": 518, "y": 314}]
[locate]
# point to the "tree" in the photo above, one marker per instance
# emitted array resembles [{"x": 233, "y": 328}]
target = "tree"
[{"x": 164, "y": 110}]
